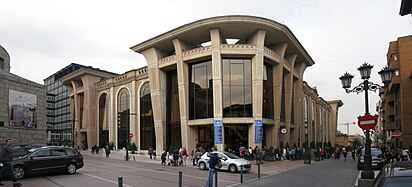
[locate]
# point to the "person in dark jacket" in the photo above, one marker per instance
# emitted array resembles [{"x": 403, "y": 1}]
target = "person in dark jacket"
[
  {"x": 212, "y": 168},
  {"x": 6, "y": 158}
]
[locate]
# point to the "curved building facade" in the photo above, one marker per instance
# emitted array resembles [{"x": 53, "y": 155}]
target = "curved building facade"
[{"x": 228, "y": 81}]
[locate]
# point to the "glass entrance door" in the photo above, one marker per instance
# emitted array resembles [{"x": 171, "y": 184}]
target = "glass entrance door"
[{"x": 235, "y": 137}]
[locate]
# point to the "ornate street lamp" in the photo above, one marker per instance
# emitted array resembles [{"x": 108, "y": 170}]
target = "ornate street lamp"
[{"x": 346, "y": 79}]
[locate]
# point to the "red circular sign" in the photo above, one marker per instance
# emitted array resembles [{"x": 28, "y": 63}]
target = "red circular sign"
[
  {"x": 131, "y": 135},
  {"x": 367, "y": 122}
]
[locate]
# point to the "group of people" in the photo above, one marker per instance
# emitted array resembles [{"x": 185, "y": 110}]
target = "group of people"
[
  {"x": 393, "y": 154},
  {"x": 175, "y": 157}
]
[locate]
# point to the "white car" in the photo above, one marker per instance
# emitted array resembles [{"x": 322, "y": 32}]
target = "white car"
[{"x": 229, "y": 161}]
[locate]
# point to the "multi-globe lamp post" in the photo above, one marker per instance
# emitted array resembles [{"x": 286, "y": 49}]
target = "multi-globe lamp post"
[{"x": 346, "y": 80}]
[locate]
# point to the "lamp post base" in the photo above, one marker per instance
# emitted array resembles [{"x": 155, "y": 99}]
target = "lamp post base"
[{"x": 367, "y": 174}]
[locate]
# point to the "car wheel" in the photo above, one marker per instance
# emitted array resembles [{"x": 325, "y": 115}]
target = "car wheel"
[
  {"x": 19, "y": 172},
  {"x": 233, "y": 168},
  {"x": 202, "y": 166},
  {"x": 71, "y": 169}
]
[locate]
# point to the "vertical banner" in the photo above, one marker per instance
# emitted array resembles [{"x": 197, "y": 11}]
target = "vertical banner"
[
  {"x": 258, "y": 131},
  {"x": 218, "y": 131}
]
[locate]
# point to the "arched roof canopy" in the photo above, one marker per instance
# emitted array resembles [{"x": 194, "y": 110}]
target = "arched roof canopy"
[{"x": 230, "y": 27}]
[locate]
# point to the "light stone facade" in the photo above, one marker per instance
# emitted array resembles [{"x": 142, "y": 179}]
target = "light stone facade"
[
  {"x": 9, "y": 81},
  {"x": 262, "y": 41}
]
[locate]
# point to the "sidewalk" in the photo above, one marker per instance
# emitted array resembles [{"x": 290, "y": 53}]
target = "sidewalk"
[{"x": 267, "y": 168}]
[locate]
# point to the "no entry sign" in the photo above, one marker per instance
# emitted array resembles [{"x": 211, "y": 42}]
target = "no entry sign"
[{"x": 367, "y": 122}]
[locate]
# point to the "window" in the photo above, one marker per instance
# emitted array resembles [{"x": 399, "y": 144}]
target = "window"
[
  {"x": 394, "y": 56},
  {"x": 397, "y": 72},
  {"x": 237, "y": 88},
  {"x": 147, "y": 131},
  {"x": 41, "y": 153},
  {"x": 201, "y": 91},
  {"x": 267, "y": 91},
  {"x": 71, "y": 152},
  {"x": 57, "y": 152}
]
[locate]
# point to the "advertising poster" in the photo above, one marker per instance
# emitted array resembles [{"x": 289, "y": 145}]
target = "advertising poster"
[
  {"x": 218, "y": 131},
  {"x": 258, "y": 131},
  {"x": 22, "y": 109}
]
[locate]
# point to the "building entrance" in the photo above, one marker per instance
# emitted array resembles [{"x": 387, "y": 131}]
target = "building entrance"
[{"x": 236, "y": 136}]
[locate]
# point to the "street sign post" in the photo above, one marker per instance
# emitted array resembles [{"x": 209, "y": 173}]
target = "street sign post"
[{"x": 367, "y": 122}]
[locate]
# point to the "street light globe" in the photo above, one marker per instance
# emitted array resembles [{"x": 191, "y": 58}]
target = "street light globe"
[
  {"x": 386, "y": 74},
  {"x": 365, "y": 70},
  {"x": 346, "y": 80}
]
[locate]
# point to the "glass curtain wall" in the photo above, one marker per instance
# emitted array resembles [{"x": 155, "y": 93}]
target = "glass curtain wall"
[
  {"x": 173, "y": 129},
  {"x": 267, "y": 91},
  {"x": 237, "y": 88},
  {"x": 201, "y": 90},
  {"x": 147, "y": 131},
  {"x": 123, "y": 103}
]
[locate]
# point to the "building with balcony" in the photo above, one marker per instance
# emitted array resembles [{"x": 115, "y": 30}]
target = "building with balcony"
[
  {"x": 396, "y": 98},
  {"x": 228, "y": 81}
]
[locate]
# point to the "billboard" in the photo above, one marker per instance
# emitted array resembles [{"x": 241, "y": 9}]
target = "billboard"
[{"x": 22, "y": 109}]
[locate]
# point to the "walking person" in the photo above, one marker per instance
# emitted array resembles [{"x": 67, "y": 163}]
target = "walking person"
[
  {"x": 107, "y": 150},
  {"x": 6, "y": 158},
  {"x": 150, "y": 151},
  {"x": 212, "y": 168}
]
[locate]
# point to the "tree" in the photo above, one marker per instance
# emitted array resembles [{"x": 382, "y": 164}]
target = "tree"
[{"x": 356, "y": 143}]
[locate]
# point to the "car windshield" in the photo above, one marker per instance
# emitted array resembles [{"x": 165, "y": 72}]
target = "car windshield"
[
  {"x": 398, "y": 182},
  {"x": 231, "y": 155}
]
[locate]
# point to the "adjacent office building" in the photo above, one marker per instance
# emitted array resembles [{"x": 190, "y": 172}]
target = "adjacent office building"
[
  {"x": 59, "y": 116},
  {"x": 227, "y": 81}
]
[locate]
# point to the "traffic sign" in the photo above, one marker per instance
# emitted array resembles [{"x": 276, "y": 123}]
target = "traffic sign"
[
  {"x": 131, "y": 135},
  {"x": 367, "y": 122}
]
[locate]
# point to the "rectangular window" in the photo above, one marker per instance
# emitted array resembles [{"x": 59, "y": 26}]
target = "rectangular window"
[
  {"x": 237, "y": 88},
  {"x": 201, "y": 90}
]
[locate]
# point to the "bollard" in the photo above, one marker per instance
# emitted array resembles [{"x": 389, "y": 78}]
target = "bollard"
[
  {"x": 241, "y": 173},
  {"x": 216, "y": 178},
  {"x": 120, "y": 181},
  {"x": 180, "y": 179},
  {"x": 259, "y": 170}
]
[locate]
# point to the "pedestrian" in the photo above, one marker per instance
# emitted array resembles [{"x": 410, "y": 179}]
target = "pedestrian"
[
  {"x": 93, "y": 149},
  {"x": 344, "y": 153},
  {"x": 353, "y": 154},
  {"x": 150, "y": 151},
  {"x": 97, "y": 149},
  {"x": 107, "y": 150},
  {"x": 184, "y": 156},
  {"x": 212, "y": 168},
  {"x": 6, "y": 158}
]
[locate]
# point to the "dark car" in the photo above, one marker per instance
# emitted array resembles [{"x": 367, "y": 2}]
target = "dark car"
[
  {"x": 22, "y": 149},
  {"x": 378, "y": 161},
  {"x": 48, "y": 159},
  {"x": 398, "y": 174}
]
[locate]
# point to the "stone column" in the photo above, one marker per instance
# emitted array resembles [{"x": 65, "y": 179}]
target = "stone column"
[
  {"x": 257, "y": 39},
  {"x": 277, "y": 92},
  {"x": 157, "y": 79},
  {"x": 188, "y": 137},
  {"x": 90, "y": 108},
  {"x": 217, "y": 81},
  {"x": 133, "y": 113},
  {"x": 113, "y": 117},
  {"x": 76, "y": 112}
]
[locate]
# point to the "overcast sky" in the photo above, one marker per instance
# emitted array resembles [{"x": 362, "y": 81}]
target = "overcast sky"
[{"x": 44, "y": 36}]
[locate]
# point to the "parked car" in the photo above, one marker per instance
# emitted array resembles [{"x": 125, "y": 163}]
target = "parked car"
[
  {"x": 378, "y": 161},
  {"x": 398, "y": 174},
  {"x": 229, "y": 161},
  {"x": 48, "y": 159}
]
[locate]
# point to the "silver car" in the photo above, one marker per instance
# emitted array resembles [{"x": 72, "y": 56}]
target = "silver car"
[{"x": 229, "y": 161}]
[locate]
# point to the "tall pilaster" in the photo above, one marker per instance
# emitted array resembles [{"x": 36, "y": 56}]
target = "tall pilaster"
[
  {"x": 157, "y": 79},
  {"x": 188, "y": 137},
  {"x": 257, "y": 39},
  {"x": 217, "y": 80}
]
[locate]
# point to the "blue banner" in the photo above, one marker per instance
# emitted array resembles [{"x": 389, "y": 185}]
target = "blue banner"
[
  {"x": 218, "y": 131},
  {"x": 258, "y": 131}
]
